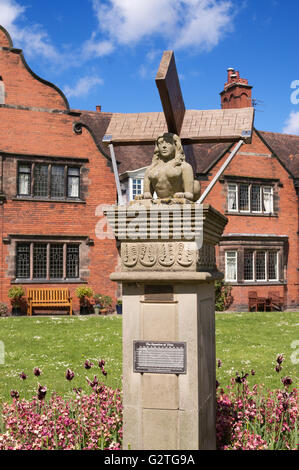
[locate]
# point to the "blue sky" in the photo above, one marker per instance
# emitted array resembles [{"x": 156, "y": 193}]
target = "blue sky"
[{"x": 107, "y": 52}]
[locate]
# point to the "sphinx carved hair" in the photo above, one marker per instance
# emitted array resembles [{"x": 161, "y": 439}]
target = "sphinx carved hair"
[{"x": 179, "y": 156}]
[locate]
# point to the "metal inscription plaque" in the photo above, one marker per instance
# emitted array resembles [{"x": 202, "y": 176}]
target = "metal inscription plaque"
[{"x": 160, "y": 357}]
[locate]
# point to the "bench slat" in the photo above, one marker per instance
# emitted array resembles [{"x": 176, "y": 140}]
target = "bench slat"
[{"x": 50, "y": 296}]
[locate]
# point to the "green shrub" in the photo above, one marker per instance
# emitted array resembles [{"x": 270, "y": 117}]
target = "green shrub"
[
  {"x": 3, "y": 310},
  {"x": 84, "y": 291},
  {"x": 223, "y": 297},
  {"x": 98, "y": 299},
  {"x": 106, "y": 301},
  {"x": 16, "y": 293}
]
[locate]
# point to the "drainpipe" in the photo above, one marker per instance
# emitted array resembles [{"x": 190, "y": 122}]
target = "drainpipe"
[{"x": 219, "y": 173}]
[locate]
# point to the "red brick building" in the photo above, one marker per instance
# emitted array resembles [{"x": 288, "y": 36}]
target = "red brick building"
[
  {"x": 52, "y": 179},
  {"x": 55, "y": 172},
  {"x": 258, "y": 192}
]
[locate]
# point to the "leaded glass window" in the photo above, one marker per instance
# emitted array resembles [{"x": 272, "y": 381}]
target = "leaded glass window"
[
  {"x": 56, "y": 261},
  {"x": 256, "y": 198},
  {"x": 40, "y": 261},
  {"x": 252, "y": 198},
  {"x": 23, "y": 261},
  {"x": 272, "y": 265},
  {"x": 232, "y": 197},
  {"x": 248, "y": 265},
  {"x": 260, "y": 265},
  {"x": 49, "y": 181},
  {"x": 72, "y": 261},
  {"x": 267, "y": 199},
  {"x": 40, "y": 188},
  {"x": 73, "y": 182},
  {"x": 57, "y": 181},
  {"x": 24, "y": 183},
  {"x": 244, "y": 197},
  {"x": 47, "y": 260},
  {"x": 231, "y": 265}
]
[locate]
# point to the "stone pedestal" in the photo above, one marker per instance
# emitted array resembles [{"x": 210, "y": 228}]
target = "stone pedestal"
[{"x": 168, "y": 302}]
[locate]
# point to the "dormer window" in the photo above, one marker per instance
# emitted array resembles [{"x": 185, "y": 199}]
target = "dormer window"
[{"x": 136, "y": 187}]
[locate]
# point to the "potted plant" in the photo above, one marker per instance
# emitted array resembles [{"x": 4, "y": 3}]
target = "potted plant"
[
  {"x": 119, "y": 307},
  {"x": 3, "y": 310},
  {"x": 106, "y": 302},
  {"x": 97, "y": 303},
  {"x": 16, "y": 295},
  {"x": 84, "y": 293}
]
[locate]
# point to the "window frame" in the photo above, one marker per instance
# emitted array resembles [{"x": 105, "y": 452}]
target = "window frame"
[
  {"x": 34, "y": 243},
  {"x": 266, "y": 279},
  {"x": 50, "y": 165},
  {"x": 262, "y": 186},
  {"x": 131, "y": 186},
  {"x": 236, "y": 265}
]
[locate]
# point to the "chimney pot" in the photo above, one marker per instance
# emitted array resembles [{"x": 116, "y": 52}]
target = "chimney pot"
[{"x": 99, "y": 108}]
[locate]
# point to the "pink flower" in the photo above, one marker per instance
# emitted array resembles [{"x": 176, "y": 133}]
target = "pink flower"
[
  {"x": 69, "y": 374},
  {"x": 41, "y": 392},
  {"x": 37, "y": 372}
]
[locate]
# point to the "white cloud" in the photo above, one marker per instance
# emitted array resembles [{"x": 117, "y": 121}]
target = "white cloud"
[
  {"x": 96, "y": 48},
  {"x": 32, "y": 39},
  {"x": 83, "y": 86},
  {"x": 292, "y": 124},
  {"x": 10, "y": 11},
  {"x": 183, "y": 23}
]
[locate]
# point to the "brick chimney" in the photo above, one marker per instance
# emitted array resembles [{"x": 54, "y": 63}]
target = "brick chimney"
[{"x": 237, "y": 92}]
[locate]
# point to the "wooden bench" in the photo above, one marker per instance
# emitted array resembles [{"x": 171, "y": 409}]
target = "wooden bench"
[{"x": 48, "y": 297}]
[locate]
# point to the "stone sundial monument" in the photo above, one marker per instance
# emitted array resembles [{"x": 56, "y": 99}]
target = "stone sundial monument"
[{"x": 168, "y": 270}]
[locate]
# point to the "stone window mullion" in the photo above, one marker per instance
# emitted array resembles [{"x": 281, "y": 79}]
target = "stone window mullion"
[
  {"x": 64, "y": 261},
  {"x": 49, "y": 180},
  {"x": 31, "y": 260},
  {"x": 32, "y": 179},
  {"x": 48, "y": 261}
]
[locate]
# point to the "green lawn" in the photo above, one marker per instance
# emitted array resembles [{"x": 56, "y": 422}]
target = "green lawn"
[
  {"x": 55, "y": 344},
  {"x": 244, "y": 341}
]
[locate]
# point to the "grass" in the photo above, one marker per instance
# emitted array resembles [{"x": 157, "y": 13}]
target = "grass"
[
  {"x": 244, "y": 341},
  {"x": 55, "y": 344}
]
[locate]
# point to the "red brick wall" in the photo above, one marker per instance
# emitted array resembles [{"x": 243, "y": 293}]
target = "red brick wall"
[
  {"x": 38, "y": 133},
  {"x": 285, "y": 224},
  {"x": 22, "y": 87}
]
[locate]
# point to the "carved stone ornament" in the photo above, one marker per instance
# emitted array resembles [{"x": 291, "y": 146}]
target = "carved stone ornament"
[
  {"x": 147, "y": 255},
  {"x": 158, "y": 256}
]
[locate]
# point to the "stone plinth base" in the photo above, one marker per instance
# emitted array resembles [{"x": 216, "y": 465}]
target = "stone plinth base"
[{"x": 169, "y": 411}]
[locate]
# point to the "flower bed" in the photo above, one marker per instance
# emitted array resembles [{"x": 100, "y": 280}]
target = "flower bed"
[
  {"x": 256, "y": 419},
  {"x": 246, "y": 418},
  {"x": 91, "y": 422}
]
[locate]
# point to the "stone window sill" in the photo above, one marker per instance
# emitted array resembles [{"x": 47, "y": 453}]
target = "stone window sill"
[
  {"x": 37, "y": 199},
  {"x": 50, "y": 281},
  {"x": 256, "y": 283},
  {"x": 251, "y": 214}
]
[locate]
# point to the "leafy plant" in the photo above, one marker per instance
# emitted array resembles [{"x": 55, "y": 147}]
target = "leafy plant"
[
  {"x": 97, "y": 299},
  {"x": 106, "y": 301},
  {"x": 3, "y": 310},
  {"x": 15, "y": 294},
  {"x": 223, "y": 297},
  {"x": 119, "y": 302},
  {"x": 84, "y": 291}
]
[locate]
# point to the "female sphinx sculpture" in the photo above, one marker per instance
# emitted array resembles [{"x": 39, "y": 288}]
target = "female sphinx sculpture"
[{"x": 169, "y": 175}]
